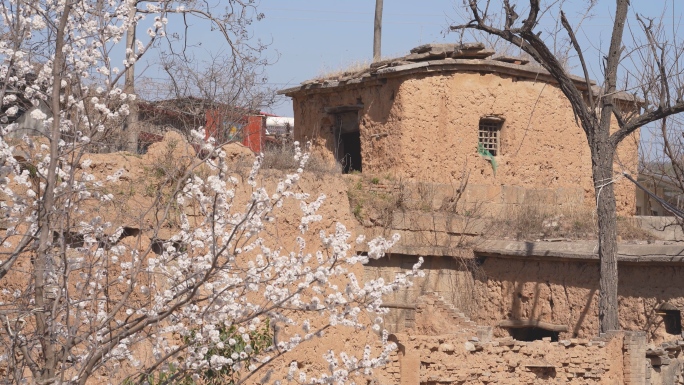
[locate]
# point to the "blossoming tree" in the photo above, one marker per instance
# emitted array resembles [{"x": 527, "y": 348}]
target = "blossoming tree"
[{"x": 217, "y": 300}]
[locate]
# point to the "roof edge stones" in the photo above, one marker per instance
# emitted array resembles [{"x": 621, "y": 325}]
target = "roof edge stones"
[{"x": 438, "y": 58}]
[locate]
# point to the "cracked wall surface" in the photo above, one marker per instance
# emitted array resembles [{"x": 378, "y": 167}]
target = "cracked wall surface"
[
  {"x": 566, "y": 293},
  {"x": 425, "y": 127},
  {"x": 454, "y": 350}
]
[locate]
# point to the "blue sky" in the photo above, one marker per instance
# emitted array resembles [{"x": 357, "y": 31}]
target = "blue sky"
[
  {"x": 308, "y": 38},
  {"x": 314, "y": 37}
]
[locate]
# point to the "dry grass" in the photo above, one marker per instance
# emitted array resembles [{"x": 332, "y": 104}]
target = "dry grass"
[
  {"x": 282, "y": 158},
  {"x": 532, "y": 222},
  {"x": 375, "y": 199},
  {"x": 628, "y": 232},
  {"x": 373, "y": 205},
  {"x": 346, "y": 70},
  {"x": 352, "y": 68}
]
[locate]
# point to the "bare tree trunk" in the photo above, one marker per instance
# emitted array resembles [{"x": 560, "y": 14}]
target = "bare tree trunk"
[
  {"x": 41, "y": 261},
  {"x": 377, "y": 31},
  {"x": 602, "y": 170},
  {"x": 603, "y": 150},
  {"x": 601, "y": 141},
  {"x": 129, "y": 88}
]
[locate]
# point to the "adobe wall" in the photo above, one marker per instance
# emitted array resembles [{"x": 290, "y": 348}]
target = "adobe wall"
[
  {"x": 425, "y": 127},
  {"x": 550, "y": 282},
  {"x": 446, "y": 276},
  {"x": 131, "y": 207},
  {"x": 566, "y": 293},
  {"x": 459, "y": 352}
]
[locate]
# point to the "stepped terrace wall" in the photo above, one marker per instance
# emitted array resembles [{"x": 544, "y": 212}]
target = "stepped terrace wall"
[
  {"x": 445, "y": 347},
  {"x": 557, "y": 283}
]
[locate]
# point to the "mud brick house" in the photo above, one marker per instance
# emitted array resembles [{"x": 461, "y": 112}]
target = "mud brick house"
[
  {"x": 425, "y": 115},
  {"x": 506, "y": 311}
]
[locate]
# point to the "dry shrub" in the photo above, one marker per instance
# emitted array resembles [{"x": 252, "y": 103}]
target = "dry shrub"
[
  {"x": 281, "y": 157},
  {"x": 426, "y": 195},
  {"x": 532, "y": 222},
  {"x": 627, "y": 231},
  {"x": 535, "y": 221},
  {"x": 374, "y": 200}
]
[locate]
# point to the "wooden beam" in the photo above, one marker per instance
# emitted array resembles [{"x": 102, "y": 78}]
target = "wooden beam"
[
  {"x": 528, "y": 323},
  {"x": 347, "y": 108},
  {"x": 392, "y": 305}
]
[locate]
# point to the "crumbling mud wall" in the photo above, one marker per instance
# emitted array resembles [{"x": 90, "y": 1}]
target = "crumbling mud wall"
[
  {"x": 564, "y": 292},
  {"x": 134, "y": 194},
  {"x": 424, "y": 126},
  {"x": 447, "y": 276},
  {"x": 446, "y": 359},
  {"x": 445, "y": 347}
]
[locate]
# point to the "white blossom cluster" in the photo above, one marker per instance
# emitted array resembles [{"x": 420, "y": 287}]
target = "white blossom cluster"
[
  {"x": 251, "y": 279},
  {"x": 219, "y": 271},
  {"x": 98, "y": 303}
]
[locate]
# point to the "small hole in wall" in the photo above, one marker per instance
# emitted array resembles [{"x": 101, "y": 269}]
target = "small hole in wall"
[
  {"x": 672, "y": 319},
  {"x": 545, "y": 373},
  {"x": 532, "y": 334}
]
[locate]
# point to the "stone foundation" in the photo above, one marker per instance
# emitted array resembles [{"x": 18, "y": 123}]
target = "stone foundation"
[{"x": 460, "y": 352}]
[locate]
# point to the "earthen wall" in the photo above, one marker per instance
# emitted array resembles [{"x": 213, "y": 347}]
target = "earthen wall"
[
  {"x": 560, "y": 293},
  {"x": 425, "y": 127},
  {"x": 566, "y": 293},
  {"x": 459, "y": 352}
]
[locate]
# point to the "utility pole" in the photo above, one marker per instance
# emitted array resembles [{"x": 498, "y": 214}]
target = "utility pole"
[
  {"x": 377, "y": 31},
  {"x": 129, "y": 87}
]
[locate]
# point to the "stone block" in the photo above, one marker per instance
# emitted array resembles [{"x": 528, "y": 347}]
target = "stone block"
[
  {"x": 540, "y": 197},
  {"x": 482, "y": 193},
  {"x": 493, "y": 194},
  {"x": 410, "y": 369},
  {"x": 485, "y": 333},
  {"x": 569, "y": 196},
  {"x": 513, "y": 195}
]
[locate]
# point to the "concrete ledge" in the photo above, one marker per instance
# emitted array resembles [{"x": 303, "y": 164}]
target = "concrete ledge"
[
  {"x": 511, "y": 323},
  {"x": 665, "y": 228},
  {"x": 580, "y": 250}
]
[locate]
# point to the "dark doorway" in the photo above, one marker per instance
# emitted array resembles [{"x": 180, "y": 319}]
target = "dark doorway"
[
  {"x": 351, "y": 160},
  {"x": 532, "y": 334},
  {"x": 348, "y": 141}
]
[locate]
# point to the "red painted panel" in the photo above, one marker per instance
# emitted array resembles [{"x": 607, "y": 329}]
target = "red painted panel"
[
  {"x": 254, "y": 133},
  {"x": 213, "y": 123}
]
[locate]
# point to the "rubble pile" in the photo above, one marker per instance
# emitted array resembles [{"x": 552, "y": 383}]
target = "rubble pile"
[
  {"x": 446, "y": 347},
  {"x": 663, "y": 364}
]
